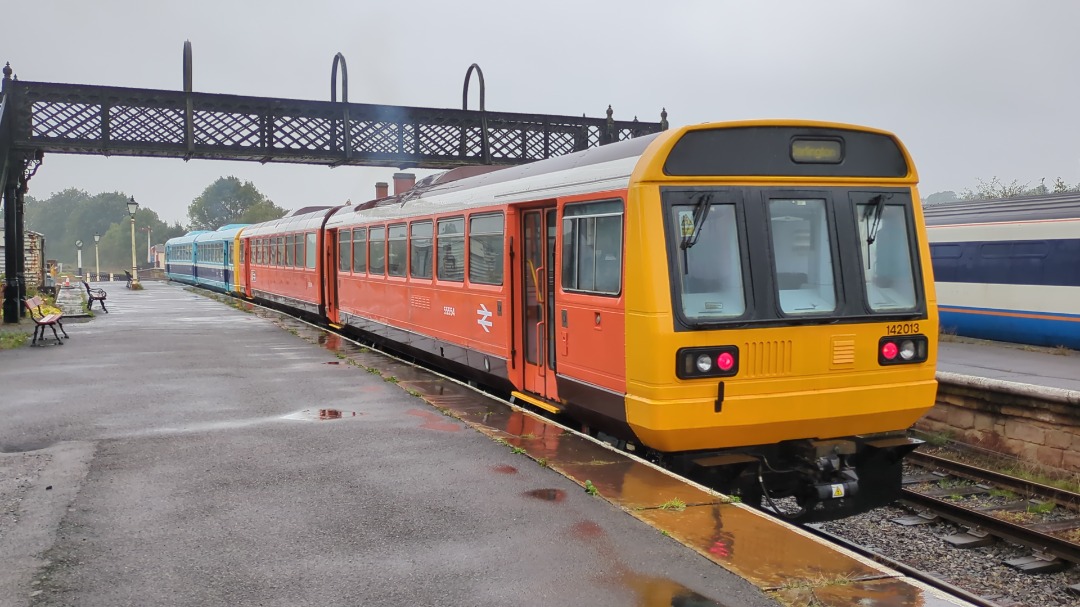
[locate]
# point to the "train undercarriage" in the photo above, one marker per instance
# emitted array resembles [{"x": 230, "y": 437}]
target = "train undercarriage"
[{"x": 803, "y": 481}]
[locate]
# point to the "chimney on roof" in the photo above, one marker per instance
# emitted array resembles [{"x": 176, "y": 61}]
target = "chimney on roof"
[
  {"x": 403, "y": 182},
  {"x": 382, "y": 190}
]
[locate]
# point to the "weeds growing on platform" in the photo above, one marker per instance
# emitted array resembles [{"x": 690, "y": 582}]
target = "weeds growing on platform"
[{"x": 14, "y": 337}]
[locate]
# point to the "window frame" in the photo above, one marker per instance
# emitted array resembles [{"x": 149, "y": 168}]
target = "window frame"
[
  {"x": 413, "y": 225},
  {"x": 470, "y": 234},
  {"x": 563, "y": 218},
  {"x": 372, "y": 230},
  {"x": 463, "y": 237}
]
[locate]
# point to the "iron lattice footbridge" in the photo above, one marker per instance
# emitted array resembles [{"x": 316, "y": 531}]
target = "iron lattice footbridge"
[
  {"x": 84, "y": 119},
  {"x": 40, "y": 117}
]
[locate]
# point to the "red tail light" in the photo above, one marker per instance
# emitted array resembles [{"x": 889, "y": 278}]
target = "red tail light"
[{"x": 725, "y": 361}]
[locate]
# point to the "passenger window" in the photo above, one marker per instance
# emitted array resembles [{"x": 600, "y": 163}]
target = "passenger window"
[
  {"x": 592, "y": 247},
  {"x": 288, "y": 250},
  {"x": 309, "y": 241},
  {"x": 486, "y": 249},
  {"x": 279, "y": 259},
  {"x": 359, "y": 258},
  {"x": 398, "y": 251},
  {"x": 451, "y": 255},
  {"x": 344, "y": 250},
  {"x": 377, "y": 242},
  {"x": 420, "y": 249},
  {"x": 298, "y": 250}
]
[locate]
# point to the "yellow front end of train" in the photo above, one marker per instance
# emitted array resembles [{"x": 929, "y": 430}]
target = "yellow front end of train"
[{"x": 779, "y": 300}]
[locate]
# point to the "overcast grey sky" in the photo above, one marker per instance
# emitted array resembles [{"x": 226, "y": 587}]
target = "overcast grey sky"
[{"x": 975, "y": 88}]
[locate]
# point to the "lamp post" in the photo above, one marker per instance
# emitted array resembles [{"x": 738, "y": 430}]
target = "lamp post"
[
  {"x": 149, "y": 252},
  {"x": 97, "y": 260},
  {"x": 78, "y": 246},
  {"x": 132, "y": 207}
]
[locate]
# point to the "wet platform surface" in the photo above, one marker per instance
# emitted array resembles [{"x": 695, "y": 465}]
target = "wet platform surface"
[
  {"x": 179, "y": 451},
  {"x": 1048, "y": 367}
]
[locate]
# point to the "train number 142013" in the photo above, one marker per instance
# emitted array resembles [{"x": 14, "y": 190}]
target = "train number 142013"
[{"x": 904, "y": 328}]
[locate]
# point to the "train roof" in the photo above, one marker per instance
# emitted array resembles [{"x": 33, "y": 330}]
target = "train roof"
[
  {"x": 294, "y": 222},
  {"x": 596, "y": 169},
  {"x": 223, "y": 233},
  {"x": 1004, "y": 210}
]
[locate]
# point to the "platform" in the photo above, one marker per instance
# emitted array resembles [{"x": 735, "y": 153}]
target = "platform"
[
  {"x": 181, "y": 451},
  {"x": 1044, "y": 367}
]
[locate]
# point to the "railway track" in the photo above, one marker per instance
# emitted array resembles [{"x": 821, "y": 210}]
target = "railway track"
[{"x": 991, "y": 506}]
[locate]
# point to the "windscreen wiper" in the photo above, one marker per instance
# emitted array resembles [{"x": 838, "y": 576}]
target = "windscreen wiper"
[
  {"x": 874, "y": 207},
  {"x": 701, "y": 211}
]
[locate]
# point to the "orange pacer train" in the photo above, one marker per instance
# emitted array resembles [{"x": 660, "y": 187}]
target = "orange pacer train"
[{"x": 748, "y": 303}]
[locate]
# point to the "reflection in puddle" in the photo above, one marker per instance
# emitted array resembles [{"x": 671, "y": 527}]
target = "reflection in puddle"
[
  {"x": 319, "y": 414},
  {"x": 435, "y": 421},
  {"x": 548, "y": 495},
  {"x": 650, "y": 591},
  {"x": 505, "y": 469}
]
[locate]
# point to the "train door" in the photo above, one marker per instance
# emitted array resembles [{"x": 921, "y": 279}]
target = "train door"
[
  {"x": 244, "y": 279},
  {"x": 330, "y": 274},
  {"x": 538, "y": 300}
]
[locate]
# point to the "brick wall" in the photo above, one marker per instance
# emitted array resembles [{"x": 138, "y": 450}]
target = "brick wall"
[{"x": 1033, "y": 423}]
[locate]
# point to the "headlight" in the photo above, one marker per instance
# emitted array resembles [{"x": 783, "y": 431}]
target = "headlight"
[
  {"x": 907, "y": 349},
  {"x": 704, "y": 363}
]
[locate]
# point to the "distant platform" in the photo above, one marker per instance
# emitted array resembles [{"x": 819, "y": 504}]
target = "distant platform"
[{"x": 1037, "y": 366}]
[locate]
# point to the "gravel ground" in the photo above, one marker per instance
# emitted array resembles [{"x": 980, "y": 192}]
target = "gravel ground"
[{"x": 981, "y": 571}]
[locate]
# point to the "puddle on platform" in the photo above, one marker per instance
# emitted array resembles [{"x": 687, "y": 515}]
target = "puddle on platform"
[
  {"x": 436, "y": 421},
  {"x": 548, "y": 495},
  {"x": 319, "y": 414},
  {"x": 505, "y": 469},
  {"x": 649, "y": 591},
  {"x": 879, "y": 593}
]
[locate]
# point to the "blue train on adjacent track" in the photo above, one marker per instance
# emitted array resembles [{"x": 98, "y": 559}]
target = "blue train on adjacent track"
[
  {"x": 205, "y": 258},
  {"x": 1009, "y": 270}
]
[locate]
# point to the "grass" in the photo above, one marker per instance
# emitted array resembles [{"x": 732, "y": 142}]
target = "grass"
[
  {"x": 518, "y": 450},
  {"x": 543, "y": 462},
  {"x": 1041, "y": 508},
  {"x": 590, "y": 488},
  {"x": 1011, "y": 466},
  {"x": 675, "y": 504},
  {"x": 13, "y": 338}
]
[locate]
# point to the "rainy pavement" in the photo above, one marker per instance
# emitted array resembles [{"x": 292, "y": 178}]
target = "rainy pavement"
[{"x": 287, "y": 466}]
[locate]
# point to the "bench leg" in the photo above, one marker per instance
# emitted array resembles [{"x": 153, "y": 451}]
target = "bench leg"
[
  {"x": 36, "y": 329},
  {"x": 61, "y": 330},
  {"x": 59, "y": 342}
]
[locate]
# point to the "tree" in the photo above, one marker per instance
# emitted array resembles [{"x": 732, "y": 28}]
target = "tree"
[
  {"x": 946, "y": 196},
  {"x": 995, "y": 189},
  {"x": 73, "y": 215},
  {"x": 226, "y": 201}
]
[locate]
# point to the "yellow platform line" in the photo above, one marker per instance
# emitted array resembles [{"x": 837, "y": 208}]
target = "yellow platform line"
[{"x": 532, "y": 400}]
